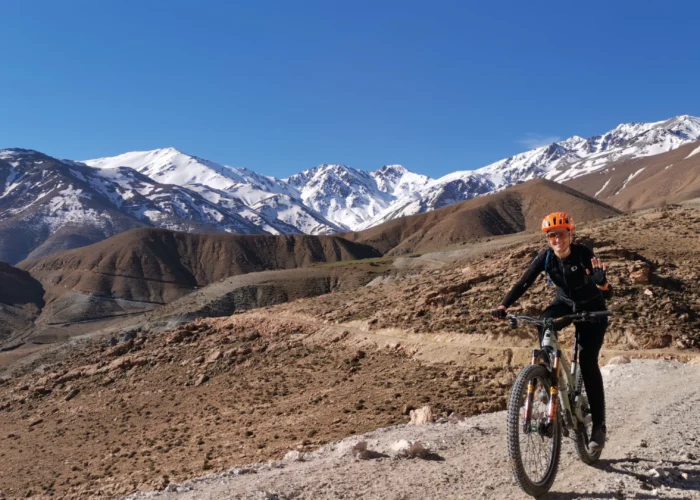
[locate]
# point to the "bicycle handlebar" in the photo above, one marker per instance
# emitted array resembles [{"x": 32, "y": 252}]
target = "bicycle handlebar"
[{"x": 576, "y": 317}]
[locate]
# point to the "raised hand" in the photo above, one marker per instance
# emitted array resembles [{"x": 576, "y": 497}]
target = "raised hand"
[{"x": 598, "y": 273}]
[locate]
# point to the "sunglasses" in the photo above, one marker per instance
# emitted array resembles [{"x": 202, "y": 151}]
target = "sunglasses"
[{"x": 553, "y": 236}]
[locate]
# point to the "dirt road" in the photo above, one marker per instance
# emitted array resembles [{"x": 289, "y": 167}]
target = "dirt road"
[{"x": 653, "y": 452}]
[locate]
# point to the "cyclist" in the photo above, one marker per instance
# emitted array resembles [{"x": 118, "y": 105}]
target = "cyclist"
[{"x": 581, "y": 286}]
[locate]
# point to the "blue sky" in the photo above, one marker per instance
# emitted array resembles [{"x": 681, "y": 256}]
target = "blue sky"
[{"x": 282, "y": 86}]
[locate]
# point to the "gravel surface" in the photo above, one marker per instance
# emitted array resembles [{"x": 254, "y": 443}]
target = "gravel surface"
[{"x": 653, "y": 452}]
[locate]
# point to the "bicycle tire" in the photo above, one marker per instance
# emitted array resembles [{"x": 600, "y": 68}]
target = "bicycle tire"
[
  {"x": 582, "y": 436},
  {"x": 533, "y": 488}
]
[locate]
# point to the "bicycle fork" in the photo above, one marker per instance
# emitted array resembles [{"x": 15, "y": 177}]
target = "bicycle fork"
[{"x": 553, "y": 404}]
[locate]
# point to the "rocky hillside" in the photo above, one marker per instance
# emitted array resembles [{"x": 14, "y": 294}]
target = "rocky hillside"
[
  {"x": 158, "y": 266},
  {"x": 646, "y": 182},
  {"x": 21, "y": 300}
]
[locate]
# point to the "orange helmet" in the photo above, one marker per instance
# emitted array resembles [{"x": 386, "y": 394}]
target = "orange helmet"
[{"x": 558, "y": 220}]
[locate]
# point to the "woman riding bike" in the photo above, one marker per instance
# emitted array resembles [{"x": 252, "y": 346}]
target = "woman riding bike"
[{"x": 581, "y": 286}]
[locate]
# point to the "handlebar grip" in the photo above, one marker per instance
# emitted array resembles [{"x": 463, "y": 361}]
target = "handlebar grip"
[{"x": 600, "y": 314}]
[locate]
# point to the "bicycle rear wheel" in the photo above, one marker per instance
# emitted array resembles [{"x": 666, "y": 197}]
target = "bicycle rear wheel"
[
  {"x": 583, "y": 436},
  {"x": 534, "y": 451}
]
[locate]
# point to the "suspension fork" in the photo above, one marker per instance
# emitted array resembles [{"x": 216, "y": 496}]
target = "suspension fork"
[
  {"x": 530, "y": 394},
  {"x": 554, "y": 389}
]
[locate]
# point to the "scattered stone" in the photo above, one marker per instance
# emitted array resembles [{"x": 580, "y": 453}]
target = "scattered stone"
[
  {"x": 36, "y": 421},
  {"x": 201, "y": 380},
  {"x": 422, "y": 416},
  {"x": 641, "y": 276},
  {"x": 417, "y": 450},
  {"x": 294, "y": 456},
  {"x": 73, "y": 393},
  {"x": 648, "y": 292},
  {"x": 643, "y": 444},
  {"x": 215, "y": 355},
  {"x": 456, "y": 418},
  {"x": 399, "y": 449},
  {"x": 619, "y": 360},
  {"x": 120, "y": 349}
]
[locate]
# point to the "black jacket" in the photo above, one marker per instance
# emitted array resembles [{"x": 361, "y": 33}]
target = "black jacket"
[{"x": 574, "y": 286}]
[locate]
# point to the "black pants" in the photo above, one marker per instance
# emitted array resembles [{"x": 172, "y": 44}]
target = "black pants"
[{"x": 590, "y": 339}]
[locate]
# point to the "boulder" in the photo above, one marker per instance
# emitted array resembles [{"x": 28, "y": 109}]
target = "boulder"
[
  {"x": 619, "y": 360},
  {"x": 422, "y": 416}
]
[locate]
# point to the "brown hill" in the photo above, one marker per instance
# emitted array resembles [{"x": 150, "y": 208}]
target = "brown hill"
[
  {"x": 158, "y": 266},
  {"x": 646, "y": 182},
  {"x": 21, "y": 299},
  {"x": 515, "y": 209}
]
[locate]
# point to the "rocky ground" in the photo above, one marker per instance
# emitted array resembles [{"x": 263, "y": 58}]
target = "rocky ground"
[
  {"x": 653, "y": 452},
  {"x": 653, "y": 266},
  {"x": 145, "y": 408}
]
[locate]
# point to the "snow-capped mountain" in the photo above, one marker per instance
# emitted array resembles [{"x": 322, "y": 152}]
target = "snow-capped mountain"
[
  {"x": 295, "y": 214},
  {"x": 327, "y": 198},
  {"x": 48, "y": 204},
  {"x": 560, "y": 161}
]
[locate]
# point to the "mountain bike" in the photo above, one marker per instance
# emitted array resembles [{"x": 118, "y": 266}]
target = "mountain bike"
[{"x": 544, "y": 405}]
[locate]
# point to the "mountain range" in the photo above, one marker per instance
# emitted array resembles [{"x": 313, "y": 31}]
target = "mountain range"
[{"x": 48, "y": 204}]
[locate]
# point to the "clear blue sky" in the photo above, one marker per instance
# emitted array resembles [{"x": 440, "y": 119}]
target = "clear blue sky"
[{"x": 282, "y": 86}]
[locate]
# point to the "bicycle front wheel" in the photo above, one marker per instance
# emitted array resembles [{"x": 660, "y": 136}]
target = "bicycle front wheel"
[{"x": 534, "y": 447}]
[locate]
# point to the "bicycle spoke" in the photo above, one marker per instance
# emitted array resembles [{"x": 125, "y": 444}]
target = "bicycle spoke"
[{"x": 536, "y": 448}]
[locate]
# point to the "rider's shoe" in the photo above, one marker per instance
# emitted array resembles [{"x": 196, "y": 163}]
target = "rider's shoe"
[{"x": 597, "y": 442}]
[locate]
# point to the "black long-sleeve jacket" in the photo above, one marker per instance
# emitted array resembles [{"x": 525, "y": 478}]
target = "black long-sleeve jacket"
[{"x": 568, "y": 274}]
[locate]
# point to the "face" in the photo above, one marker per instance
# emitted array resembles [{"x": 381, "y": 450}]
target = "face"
[{"x": 559, "y": 240}]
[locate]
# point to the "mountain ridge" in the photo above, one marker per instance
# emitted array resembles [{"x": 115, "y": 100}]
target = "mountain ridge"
[{"x": 49, "y": 205}]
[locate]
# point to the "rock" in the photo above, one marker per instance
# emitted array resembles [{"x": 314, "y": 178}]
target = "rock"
[
  {"x": 119, "y": 364},
  {"x": 41, "y": 390},
  {"x": 417, "y": 450},
  {"x": 294, "y": 456},
  {"x": 201, "y": 380},
  {"x": 456, "y": 418},
  {"x": 36, "y": 421},
  {"x": 399, "y": 449},
  {"x": 422, "y": 416},
  {"x": 120, "y": 349},
  {"x": 91, "y": 370},
  {"x": 359, "y": 447},
  {"x": 73, "y": 393},
  {"x": 71, "y": 375},
  {"x": 619, "y": 360},
  {"x": 215, "y": 355},
  {"x": 361, "y": 452},
  {"x": 640, "y": 277}
]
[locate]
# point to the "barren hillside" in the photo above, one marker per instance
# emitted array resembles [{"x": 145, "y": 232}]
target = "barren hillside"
[
  {"x": 650, "y": 181},
  {"x": 516, "y": 209},
  {"x": 158, "y": 266}
]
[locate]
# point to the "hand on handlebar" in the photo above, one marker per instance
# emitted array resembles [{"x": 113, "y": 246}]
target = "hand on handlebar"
[{"x": 499, "y": 313}]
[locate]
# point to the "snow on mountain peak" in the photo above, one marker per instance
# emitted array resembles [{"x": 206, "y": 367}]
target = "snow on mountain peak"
[{"x": 337, "y": 195}]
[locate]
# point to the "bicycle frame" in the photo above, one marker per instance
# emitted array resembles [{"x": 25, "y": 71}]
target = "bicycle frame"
[{"x": 561, "y": 387}]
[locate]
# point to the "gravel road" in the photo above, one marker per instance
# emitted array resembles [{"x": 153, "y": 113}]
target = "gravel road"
[{"x": 653, "y": 452}]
